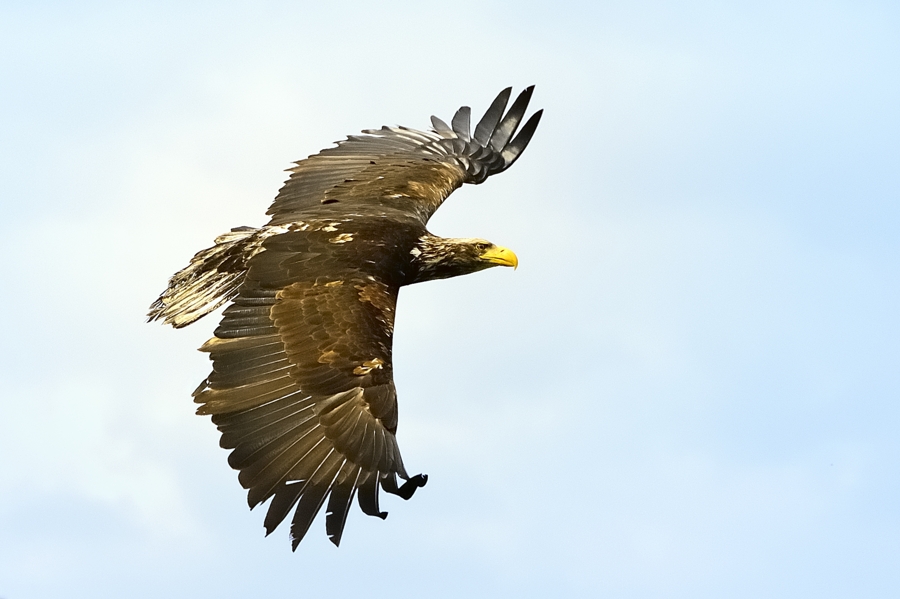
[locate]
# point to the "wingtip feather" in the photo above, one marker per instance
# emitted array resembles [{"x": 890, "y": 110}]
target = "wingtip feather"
[
  {"x": 461, "y": 122},
  {"x": 515, "y": 148},
  {"x": 489, "y": 121}
]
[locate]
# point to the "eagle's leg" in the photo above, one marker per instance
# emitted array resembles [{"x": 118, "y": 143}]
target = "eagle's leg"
[{"x": 406, "y": 490}]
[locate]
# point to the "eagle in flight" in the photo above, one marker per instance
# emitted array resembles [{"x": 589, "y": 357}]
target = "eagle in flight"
[{"x": 302, "y": 385}]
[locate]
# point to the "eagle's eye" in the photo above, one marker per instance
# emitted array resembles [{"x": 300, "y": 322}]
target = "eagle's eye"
[{"x": 482, "y": 246}]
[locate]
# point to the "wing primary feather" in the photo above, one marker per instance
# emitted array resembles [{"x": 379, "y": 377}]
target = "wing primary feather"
[
  {"x": 287, "y": 496},
  {"x": 313, "y": 498},
  {"x": 340, "y": 501},
  {"x": 441, "y": 127},
  {"x": 490, "y": 119},
  {"x": 512, "y": 151},
  {"x": 461, "y": 121},
  {"x": 281, "y": 505},
  {"x": 507, "y": 127}
]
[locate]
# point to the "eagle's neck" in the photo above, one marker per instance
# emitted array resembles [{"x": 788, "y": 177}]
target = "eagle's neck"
[{"x": 444, "y": 257}]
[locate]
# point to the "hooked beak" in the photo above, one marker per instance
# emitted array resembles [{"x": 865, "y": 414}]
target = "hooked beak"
[{"x": 500, "y": 255}]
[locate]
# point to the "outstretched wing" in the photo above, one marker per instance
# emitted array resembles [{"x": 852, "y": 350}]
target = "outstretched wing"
[
  {"x": 409, "y": 169},
  {"x": 303, "y": 393}
]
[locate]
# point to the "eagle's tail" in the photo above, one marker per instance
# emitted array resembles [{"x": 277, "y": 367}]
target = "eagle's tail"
[{"x": 211, "y": 279}]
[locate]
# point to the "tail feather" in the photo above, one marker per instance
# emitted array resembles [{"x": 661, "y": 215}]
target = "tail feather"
[{"x": 212, "y": 278}]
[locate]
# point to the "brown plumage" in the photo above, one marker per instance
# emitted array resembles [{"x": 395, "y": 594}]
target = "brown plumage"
[{"x": 302, "y": 384}]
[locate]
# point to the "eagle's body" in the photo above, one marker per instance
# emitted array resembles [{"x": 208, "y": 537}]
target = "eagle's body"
[{"x": 302, "y": 385}]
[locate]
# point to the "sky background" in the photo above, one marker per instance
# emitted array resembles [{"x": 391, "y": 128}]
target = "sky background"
[{"x": 689, "y": 388}]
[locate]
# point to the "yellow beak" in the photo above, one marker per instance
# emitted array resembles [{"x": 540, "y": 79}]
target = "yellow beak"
[{"x": 500, "y": 255}]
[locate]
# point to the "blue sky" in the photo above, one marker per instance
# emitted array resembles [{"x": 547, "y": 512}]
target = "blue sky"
[{"x": 689, "y": 388}]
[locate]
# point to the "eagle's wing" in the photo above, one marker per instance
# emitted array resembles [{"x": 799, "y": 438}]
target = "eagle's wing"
[
  {"x": 302, "y": 391},
  {"x": 409, "y": 169}
]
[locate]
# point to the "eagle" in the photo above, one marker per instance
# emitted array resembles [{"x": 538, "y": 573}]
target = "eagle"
[{"x": 302, "y": 387}]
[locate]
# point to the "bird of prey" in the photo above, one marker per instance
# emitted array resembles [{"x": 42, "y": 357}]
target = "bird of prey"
[{"x": 302, "y": 386}]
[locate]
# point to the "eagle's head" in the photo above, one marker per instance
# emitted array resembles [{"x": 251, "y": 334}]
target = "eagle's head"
[{"x": 440, "y": 258}]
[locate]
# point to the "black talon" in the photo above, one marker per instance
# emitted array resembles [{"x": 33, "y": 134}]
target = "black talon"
[
  {"x": 409, "y": 487},
  {"x": 389, "y": 484}
]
